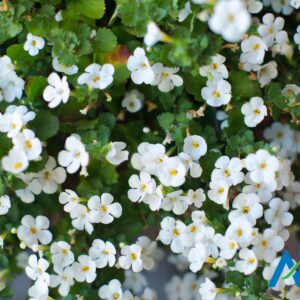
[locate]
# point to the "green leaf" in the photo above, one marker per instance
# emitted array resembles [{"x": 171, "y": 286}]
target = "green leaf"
[
  {"x": 46, "y": 125},
  {"x": 35, "y": 87},
  {"x": 235, "y": 277},
  {"x": 92, "y": 8},
  {"x": 165, "y": 120},
  {"x": 104, "y": 41}
]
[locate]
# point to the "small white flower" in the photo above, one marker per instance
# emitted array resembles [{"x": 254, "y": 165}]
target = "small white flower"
[
  {"x": 36, "y": 269},
  {"x": 133, "y": 101},
  {"x": 131, "y": 258},
  {"x": 57, "y": 91},
  {"x": 185, "y": 12},
  {"x": 172, "y": 172},
  {"x": 39, "y": 291},
  {"x": 16, "y": 161},
  {"x": 195, "y": 146},
  {"x": 166, "y": 78},
  {"x": 267, "y": 245},
  {"x": 75, "y": 155},
  {"x": 69, "y": 70},
  {"x": 190, "y": 165},
  {"x": 30, "y": 144},
  {"x": 33, "y": 44},
  {"x": 69, "y": 199},
  {"x": 282, "y": 6},
  {"x": 112, "y": 291},
  {"x": 297, "y": 37},
  {"x": 228, "y": 170},
  {"x": 254, "y": 111},
  {"x": 11, "y": 123},
  {"x": 228, "y": 247},
  {"x": 51, "y": 176},
  {"x": 197, "y": 256},
  {"x": 4, "y": 204},
  {"x": 254, "y": 49},
  {"x": 84, "y": 269},
  {"x": 217, "y": 92},
  {"x": 254, "y": 6},
  {"x": 219, "y": 192},
  {"x": 61, "y": 254},
  {"x": 230, "y": 19},
  {"x": 247, "y": 206},
  {"x": 33, "y": 231},
  {"x": 103, "y": 253},
  {"x": 172, "y": 233},
  {"x": 81, "y": 218},
  {"x": 216, "y": 69},
  {"x": 277, "y": 215},
  {"x": 153, "y": 34},
  {"x": 148, "y": 251},
  {"x": 103, "y": 210},
  {"x": 248, "y": 263},
  {"x": 208, "y": 290},
  {"x": 135, "y": 281},
  {"x": 116, "y": 154},
  {"x": 272, "y": 30},
  {"x": 140, "y": 68},
  {"x": 97, "y": 76},
  {"x": 196, "y": 197},
  {"x": 64, "y": 279},
  {"x": 176, "y": 202},
  {"x": 266, "y": 73},
  {"x": 140, "y": 186}
]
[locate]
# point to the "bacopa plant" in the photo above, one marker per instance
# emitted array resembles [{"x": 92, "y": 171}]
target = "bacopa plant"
[{"x": 135, "y": 131}]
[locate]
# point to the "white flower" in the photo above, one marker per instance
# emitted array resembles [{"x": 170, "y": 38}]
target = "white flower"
[
  {"x": 291, "y": 91},
  {"x": 4, "y": 204},
  {"x": 247, "y": 206},
  {"x": 97, "y": 76},
  {"x": 61, "y": 254},
  {"x": 133, "y": 101},
  {"x": 195, "y": 146},
  {"x": 11, "y": 87},
  {"x": 228, "y": 170},
  {"x": 254, "y": 49},
  {"x": 292, "y": 194},
  {"x": 254, "y": 6},
  {"x": 16, "y": 161},
  {"x": 11, "y": 123},
  {"x": 84, "y": 269},
  {"x": 30, "y": 144},
  {"x": 171, "y": 233},
  {"x": 57, "y": 91},
  {"x": 266, "y": 73},
  {"x": 75, "y": 155},
  {"x": 22, "y": 111},
  {"x": 81, "y": 218},
  {"x": 174, "y": 288},
  {"x": 69, "y": 70},
  {"x": 277, "y": 215},
  {"x": 196, "y": 197},
  {"x": 176, "y": 202},
  {"x": 33, "y": 231},
  {"x": 217, "y": 92},
  {"x": 190, "y": 165},
  {"x": 208, "y": 290},
  {"x": 112, "y": 291},
  {"x": 282, "y": 6},
  {"x": 297, "y": 37},
  {"x": 135, "y": 281},
  {"x": 64, "y": 279},
  {"x": 272, "y": 30},
  {"x": 148, "y": 251},
  {"x": 254, "y": 111},
  {"x": 228, "y": 247},
  {"x": 172, "y": 172},
  {"x": 32, "y": 188},
  {"x": 219, "y": 192},
  {"x": 230, "y": 19},
  {"x": 165, "y": 78},
  {"x": 266, "y": 245},
  {"x": 155, "y": 199},
  {"x": 131, "y": 258},
  {"x": 153, "y": 34},
  {"x": 248, "y": 263},
  {"x": 51, "y": 176},
  {"x": 217, "y": 69},
  {"x": 116, "y": 154},
  {"x": 140, "y": 67},
  {"x": 69, "y": 199},
  {"x": 33, "y": 44},
  {"x": 103, "y": 253},
  {"x": 295, "y": 3},
  {"x": 140, "y": 186},
  {"x": 240, "y": 231},
  {"x": 103, "y": 210},
  {"x": 39, "y": 291},
  {"x": 262, "y": 166},
  {"x": 36, "y": 269},
  {"x": 197, "y": 256}
]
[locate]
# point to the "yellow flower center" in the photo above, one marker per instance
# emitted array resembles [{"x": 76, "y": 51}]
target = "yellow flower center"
[
  {"x": 246, "y": 210},
  {"x": 96, "y": 78},
  {"x": 263, "y": 165},
  {"x": 195, "y": 144},
  {"x": 176, "y": 232},
  {"x": 239, "y": 232},
  {"x": 85, "y": 269},
  {"x": 133, "y": 256},
  {"x": 173, "y": 172},
  {"x": 105, "y": 252},
  {"x": 216, "y": 94},
  {"x": 116, "y": 296},
  {"x": 18, "y": 165},
  {"x": 220, "y": 190},
  {"x": 33, "y": 230},
  {"x": 264, "y": 243},
  {"x": 28, "y": 144},
  {"x": 47, "y": 175},
  {"x": 256, "y": 46},
  {"x": 103, "y": 208},
  {"x": 257, "y": 111}
]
